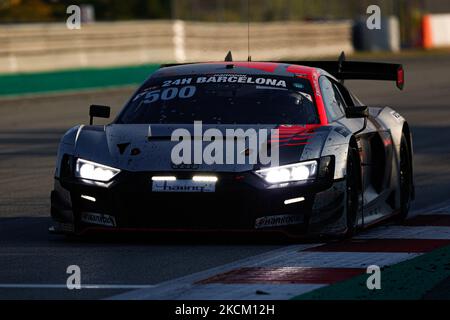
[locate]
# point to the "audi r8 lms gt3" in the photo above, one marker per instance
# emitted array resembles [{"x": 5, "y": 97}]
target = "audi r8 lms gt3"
[{"x": 167, "y": 161}]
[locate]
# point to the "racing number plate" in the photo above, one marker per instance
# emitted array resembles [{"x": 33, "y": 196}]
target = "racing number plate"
[{"x": 183, "y": 186}]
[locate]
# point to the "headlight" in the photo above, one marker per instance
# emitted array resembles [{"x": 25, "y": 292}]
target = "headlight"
[
  {"x": 290, "y": 173},
  {"x": 94, "y": 171}
]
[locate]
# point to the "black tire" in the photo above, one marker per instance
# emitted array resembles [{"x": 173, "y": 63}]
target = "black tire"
[
  {"x": 353, "y": 190},
  {"x": 405, "y": 172}
]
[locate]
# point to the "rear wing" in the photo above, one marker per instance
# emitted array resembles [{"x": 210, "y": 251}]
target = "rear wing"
[
  {"x": 356, "y": 70},
  {"x": 346, "y": 70}
]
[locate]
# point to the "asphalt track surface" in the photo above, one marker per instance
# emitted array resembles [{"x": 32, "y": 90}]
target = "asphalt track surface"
[{"x": 33, "y": 263}]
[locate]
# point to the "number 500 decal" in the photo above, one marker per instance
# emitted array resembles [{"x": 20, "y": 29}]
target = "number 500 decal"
[{"x": 167, "y": 94}]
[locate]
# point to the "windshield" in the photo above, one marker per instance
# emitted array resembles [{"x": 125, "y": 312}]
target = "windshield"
[{"x": 222, "y": 99}]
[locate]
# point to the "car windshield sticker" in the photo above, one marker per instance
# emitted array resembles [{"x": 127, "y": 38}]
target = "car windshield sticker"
[
  {"x": 225, "y": 78},
  {"x": 270, "y": 88},
  {"x": 167, "y": 94},
  {"x": 243, "y": 80},
  {"x": 184, "y": 88}
]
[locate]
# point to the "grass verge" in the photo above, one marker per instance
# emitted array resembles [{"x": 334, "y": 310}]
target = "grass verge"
[{"x": 72, "y": 80}]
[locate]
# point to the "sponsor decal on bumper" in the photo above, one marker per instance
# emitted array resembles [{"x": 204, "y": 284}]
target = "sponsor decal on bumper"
[
  {"x": 278, "y": 221},
  {"x": 183, "y": 186},
  {"x": 99, "y": 219}
]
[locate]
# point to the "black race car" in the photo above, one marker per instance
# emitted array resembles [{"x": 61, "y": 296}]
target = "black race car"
[{"x": 276, "y": 146}]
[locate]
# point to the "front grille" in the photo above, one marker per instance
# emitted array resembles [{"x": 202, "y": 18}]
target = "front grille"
[
  {"x": 185, "y": 210},
  {"x": 235, "y": 205}
]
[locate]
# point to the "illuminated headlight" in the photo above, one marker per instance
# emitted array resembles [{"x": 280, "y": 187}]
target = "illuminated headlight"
[
  {"x": 94, "y": 171},
  {"x": 290, "y": 173}
]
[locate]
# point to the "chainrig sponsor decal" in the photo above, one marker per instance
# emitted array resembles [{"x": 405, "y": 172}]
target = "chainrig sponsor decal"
[
  {"x": 183, "y": 186},
  {"x": 97, "y": 218},
  {"x": 278, "y": 221}
]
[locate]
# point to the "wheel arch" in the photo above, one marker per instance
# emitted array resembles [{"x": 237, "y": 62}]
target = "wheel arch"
[{"x": 354, "y": 144}]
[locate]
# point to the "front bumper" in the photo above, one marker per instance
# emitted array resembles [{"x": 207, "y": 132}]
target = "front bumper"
[{"x": 241, "y": 201}]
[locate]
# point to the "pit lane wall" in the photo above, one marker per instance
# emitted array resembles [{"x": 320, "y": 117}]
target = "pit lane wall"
[
  {"x": 46, "y": 47},
  {"x": 436, "y": 31}
]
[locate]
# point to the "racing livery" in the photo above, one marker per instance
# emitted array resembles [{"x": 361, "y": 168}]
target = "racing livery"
[{"x": 341, "y": 165}]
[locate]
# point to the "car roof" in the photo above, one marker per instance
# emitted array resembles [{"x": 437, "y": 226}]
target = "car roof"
[{"x": 248, "y": 68}]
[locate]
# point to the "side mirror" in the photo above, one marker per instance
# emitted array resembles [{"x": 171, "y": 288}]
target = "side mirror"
[
  {"x": 98, "y": 112},
  {"x": 357, "y": 112}
]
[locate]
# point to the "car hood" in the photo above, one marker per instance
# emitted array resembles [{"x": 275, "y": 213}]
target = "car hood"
[{"x": 140, "y": 147}]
